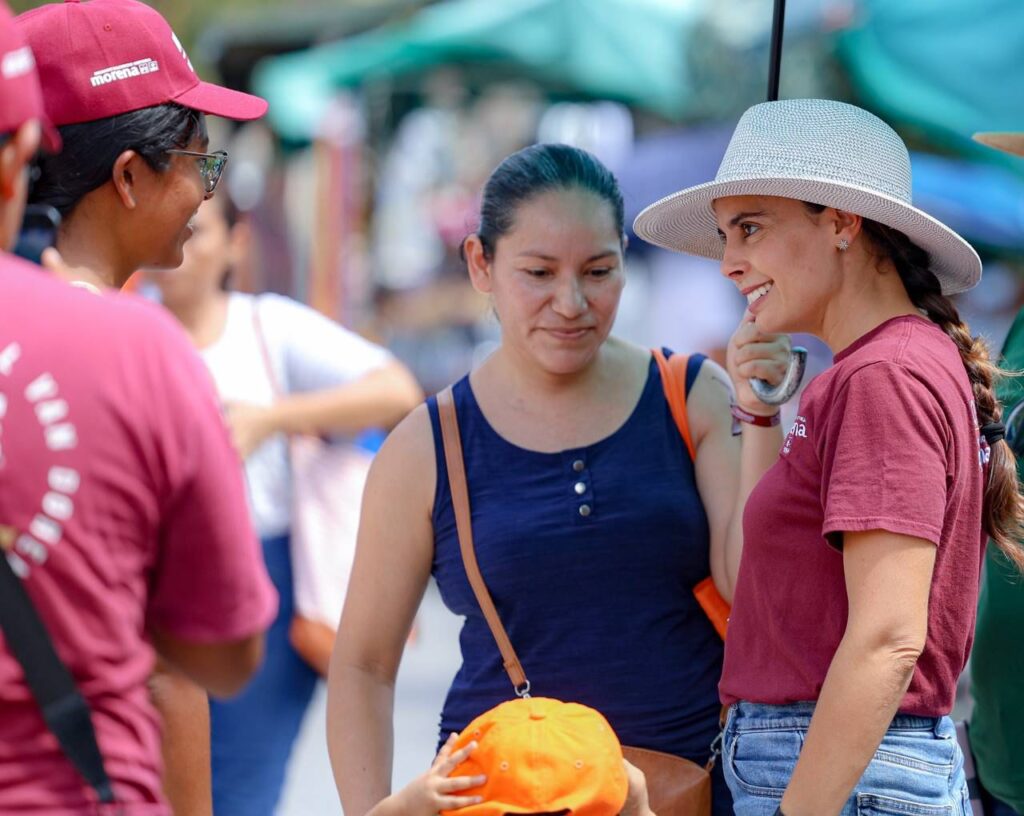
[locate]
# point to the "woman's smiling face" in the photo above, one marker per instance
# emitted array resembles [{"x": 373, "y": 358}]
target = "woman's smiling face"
[{"x": 783, "y": 259}]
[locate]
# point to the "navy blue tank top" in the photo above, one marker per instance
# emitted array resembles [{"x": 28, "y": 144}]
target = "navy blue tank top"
[{"x": 591, "y": 556}]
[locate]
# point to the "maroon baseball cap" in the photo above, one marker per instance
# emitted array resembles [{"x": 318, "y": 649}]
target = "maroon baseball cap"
[
  {"x": 20, "y": 97},
  {"x": 102, "y": 58}
]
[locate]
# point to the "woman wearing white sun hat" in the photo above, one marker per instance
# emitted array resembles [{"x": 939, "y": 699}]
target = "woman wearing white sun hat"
[{"x": 854, "y": 607}]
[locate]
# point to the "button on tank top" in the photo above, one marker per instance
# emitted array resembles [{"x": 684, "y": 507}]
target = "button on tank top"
[{"x": 591, "y": 556}]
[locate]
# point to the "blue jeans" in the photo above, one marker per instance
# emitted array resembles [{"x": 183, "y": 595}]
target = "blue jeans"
[
  {"x": 917, "y": 770},
  {"x": 252, "y": 734}
]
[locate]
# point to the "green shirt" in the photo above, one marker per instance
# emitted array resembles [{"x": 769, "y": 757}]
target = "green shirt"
[{"x": 997, "y": 662}]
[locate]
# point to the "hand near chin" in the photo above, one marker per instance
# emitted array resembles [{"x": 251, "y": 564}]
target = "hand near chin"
[{"x": 753, "y": 353}]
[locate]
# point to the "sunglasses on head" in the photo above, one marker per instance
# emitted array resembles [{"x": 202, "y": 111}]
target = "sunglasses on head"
[{"x": 211, "y": 165}]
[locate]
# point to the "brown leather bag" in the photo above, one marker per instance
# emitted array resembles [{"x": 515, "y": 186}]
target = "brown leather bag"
[{"x": 675, "y": 786}]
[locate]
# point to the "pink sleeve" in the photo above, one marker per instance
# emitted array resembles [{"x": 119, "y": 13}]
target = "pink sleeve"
[
  {"x": 884, "y": 456},
  {"x": 210, "y": 583}
]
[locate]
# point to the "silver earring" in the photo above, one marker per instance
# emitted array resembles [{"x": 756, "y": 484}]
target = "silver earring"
[{"x": 843, "y": 245}]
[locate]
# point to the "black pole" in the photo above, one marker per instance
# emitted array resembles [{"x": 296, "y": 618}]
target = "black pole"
[{"x": 775, "y": 58}]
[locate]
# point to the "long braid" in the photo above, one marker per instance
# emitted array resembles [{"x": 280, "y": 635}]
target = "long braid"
[{"x": 1003, "y": 510}]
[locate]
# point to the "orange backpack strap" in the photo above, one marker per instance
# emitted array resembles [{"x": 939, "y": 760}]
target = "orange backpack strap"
[{"x": 673, "y": 380}]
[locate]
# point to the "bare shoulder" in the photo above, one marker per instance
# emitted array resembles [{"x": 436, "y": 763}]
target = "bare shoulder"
[
  {"x": 404, "y": 471},
  {"x": 709, "y": 398},
  {"x": 712, "y": 384},
  {"x": 629, "y": 356}
]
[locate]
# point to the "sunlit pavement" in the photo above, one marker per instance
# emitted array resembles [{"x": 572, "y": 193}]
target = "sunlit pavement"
[{"x": 427, "y": 669}]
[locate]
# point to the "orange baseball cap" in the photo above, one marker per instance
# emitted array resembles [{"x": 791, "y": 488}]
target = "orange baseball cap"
[{"x": 543, "y": 756}]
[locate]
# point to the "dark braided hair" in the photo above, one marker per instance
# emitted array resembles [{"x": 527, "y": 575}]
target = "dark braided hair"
[{"x": 1003, "y": 509}]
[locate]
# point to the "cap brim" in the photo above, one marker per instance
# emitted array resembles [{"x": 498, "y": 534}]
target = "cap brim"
[
  {"x": 218, "y": 101},
  {"x": 1007, "y": 142}
]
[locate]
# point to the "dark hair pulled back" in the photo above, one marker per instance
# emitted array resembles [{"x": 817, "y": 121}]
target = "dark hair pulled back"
[
  {"x": 1003, "y": 512},
  {"x": 538, "y": 169},
  {"x": 91, "y": 148}
]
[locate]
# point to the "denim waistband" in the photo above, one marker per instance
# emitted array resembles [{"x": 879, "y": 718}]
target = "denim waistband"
[{"x": 745, "y": 715}]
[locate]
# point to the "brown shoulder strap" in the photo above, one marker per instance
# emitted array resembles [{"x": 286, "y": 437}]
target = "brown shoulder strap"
[
  {"x": 673, "y": 380},
  {"x": 463, "y": 523}
]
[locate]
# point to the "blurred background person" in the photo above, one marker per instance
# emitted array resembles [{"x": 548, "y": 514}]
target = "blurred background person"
[
  {"x": 281, "y": 369},
  {"x": 133, "y": 172},
  {"x": 997, "y": 661},
  {"x": 124, "y": 519}
]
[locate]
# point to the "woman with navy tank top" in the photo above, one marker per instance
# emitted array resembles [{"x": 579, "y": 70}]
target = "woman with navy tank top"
[{"x": 592, "y": 524}]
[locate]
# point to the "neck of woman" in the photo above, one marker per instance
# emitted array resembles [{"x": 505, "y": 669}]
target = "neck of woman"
[
  {"x": 870, "y": 298},
  {"x": 547, "y": 411},
  {"x": 526, "y": 376},
  {"x": 90, "y": 254}
]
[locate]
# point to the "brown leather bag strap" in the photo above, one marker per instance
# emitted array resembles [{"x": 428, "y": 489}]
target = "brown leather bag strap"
[{"x": 464, "y": 525}]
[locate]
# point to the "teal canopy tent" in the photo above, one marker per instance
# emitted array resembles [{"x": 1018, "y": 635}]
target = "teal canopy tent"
[
  {"x": 942, "y": 69},
  {"x": 626, "y": 50}
]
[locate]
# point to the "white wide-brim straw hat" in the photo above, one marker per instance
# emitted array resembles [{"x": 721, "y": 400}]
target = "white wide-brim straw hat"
[{"x": 823, "y": 152}]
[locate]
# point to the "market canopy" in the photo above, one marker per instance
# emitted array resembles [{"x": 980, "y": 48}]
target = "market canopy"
[
  {"x": 626, "y": 50},
  {"x": 944, "y": 70}
]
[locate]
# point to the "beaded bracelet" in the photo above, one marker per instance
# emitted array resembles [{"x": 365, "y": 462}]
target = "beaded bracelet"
[{"x": 754, "y": 419}]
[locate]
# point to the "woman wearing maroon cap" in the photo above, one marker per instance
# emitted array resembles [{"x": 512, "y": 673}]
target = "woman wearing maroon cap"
[
  {"x": 134, "y": 170},
  {"x": 130, "y": 107}
]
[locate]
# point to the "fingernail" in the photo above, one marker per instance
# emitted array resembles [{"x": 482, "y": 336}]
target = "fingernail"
[
  {"x": 481, "y": 779},
  {"x": 472, "y": 745}
]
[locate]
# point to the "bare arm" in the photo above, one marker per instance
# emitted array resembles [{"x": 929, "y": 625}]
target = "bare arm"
[
  {"x": 378, "y": 399},
  {"x": 222, "y": 669},
  {"x": 185, "y": 741},
  {"x": 717, "y": 464},
  {"x": 751, "y": 353},
  {"x": 392, "y": 566},
  {"x": 727, "y": 469},
  {"x": 888, "y": 580}
]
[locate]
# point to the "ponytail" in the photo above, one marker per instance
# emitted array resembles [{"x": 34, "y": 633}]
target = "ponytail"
[{"x": 1003, "y": 508}]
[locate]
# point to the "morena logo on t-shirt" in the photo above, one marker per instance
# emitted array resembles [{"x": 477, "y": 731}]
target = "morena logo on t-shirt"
[
  {"x": 797, "y": 431},
  {"x": 59, "y": 435}
]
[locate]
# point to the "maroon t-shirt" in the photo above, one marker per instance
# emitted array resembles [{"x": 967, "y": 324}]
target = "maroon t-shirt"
[
  {"x": 886, "y": 439},
  {"x": 122, "y": 506}
]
